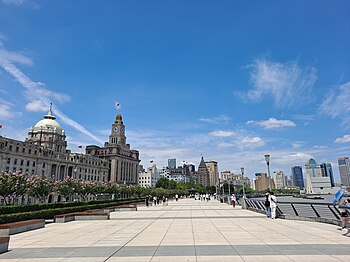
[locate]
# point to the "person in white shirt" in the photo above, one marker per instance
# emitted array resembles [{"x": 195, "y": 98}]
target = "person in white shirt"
[
  {"x": 233, "y": 200},
  {"x": 273, "y": 205}
]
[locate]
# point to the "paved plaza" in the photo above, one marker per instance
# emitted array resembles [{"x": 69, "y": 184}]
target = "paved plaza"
[{"x": 186, "y": 230}]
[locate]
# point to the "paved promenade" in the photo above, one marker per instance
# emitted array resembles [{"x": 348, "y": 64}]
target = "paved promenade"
[{"x": 186, "y": 230}]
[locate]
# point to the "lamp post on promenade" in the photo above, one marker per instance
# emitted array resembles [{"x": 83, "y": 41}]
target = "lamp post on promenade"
[
  {"x": 243, "y": 203},
  {"x": 229, "y": 191},
  {"x": 267, "y": 159}
]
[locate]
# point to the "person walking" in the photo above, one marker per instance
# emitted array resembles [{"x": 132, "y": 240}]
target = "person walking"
[
  {"x": 154, "y": 200},
  {"x": 176, "y": 197},
  {"x": 233, "y": 200},
  {"x": 147, "y": 201},
  {"x": 267, "y": 205},
  {"x": 273, "y": 205}
]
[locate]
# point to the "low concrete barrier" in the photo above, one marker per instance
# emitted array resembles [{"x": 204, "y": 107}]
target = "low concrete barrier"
[
  {"x": 21, "y": 226},
  {"x": 4, "y": 244},
  {"x": 125, "y": 208},
  {"x": 81, "y": 216}
]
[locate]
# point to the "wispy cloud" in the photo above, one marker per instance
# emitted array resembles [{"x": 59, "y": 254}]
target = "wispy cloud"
[
  {"x": 337, "y": 103},
  {"x": 36, "y": 92},
  {"x": 222, "y": 133},
  {"x": 288, "y": 83},
  {"x": 13, "y": 2},
  {"x": 272, "y": 123},
  {"x": 7, "y": 113},
  {"x": 36, "y": 106},
  {"x": 217, "y": 120},
  {"x": 344, "y": 139}
]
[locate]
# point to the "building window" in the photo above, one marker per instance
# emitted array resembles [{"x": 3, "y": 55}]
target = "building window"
[
  {"x": 10, "y": 148},
  {"x": 33, "y": 163},
  {"x": 8, "y": 160},
  {"x": 23, "y": 150},
  {"x": 15, "y": 162},
  {"x": 17, "y": 149},
  {"x": 29, "y": 151},
  {"x": 43, "y": 165},
  {"x": 22, "y": 162}
]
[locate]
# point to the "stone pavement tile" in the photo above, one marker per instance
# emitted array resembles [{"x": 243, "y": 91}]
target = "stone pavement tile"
[
  {"x": 130, "y": 259},
  {"x": 323, "y": 258},
  {"x": 342, "y": 258},
  {"x": 136, "y": 251},
  {"x": 257, "y": 250},
  {"x": 219, "y": 258},
  {"x": 175, "y": 251},
  {"x": 277, "y": 258},
  {"x": 174, "y": 259},
  {"x": 215, "y": 250}
]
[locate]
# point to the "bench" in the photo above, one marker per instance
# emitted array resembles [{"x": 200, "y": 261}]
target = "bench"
[
  {"x": 21, "y": 226},
  {"x": 4, "y": 244},
  {"x": 81, "y": 216}
]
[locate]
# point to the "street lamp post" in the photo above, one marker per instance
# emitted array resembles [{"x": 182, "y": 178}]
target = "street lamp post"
[
  {"x": 243, "y": 203},
  {"x": 267, "y": 159},
  {"x": 229, "y": 191}
]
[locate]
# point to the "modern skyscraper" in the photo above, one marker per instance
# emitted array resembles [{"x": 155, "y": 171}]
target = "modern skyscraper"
[
  {"x": 344, "y": 170},
  {"x": 297, "y": 177},
  {"x": 280, "y": 179},
  {"x": 213, "y": 169},
  {"x": 172, "y": 163},
  {"x": 328, "y": 172},
  {"x": 317, "y": 180}
]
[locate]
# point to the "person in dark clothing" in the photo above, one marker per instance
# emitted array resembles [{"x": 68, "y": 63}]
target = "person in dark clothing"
[
  {"x": 147, "y": 201},
  {"x": 267, "y": 205}
]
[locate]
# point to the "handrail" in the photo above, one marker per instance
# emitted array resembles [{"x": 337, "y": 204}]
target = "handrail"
[{"x": 311, "y": 211}]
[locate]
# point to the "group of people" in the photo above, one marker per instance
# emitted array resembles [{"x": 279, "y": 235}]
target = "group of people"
[
  {"x": 270, "y": 205},
  {"x": 149, "y": 200}
]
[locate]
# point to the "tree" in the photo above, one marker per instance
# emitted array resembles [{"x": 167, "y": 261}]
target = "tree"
[
  {"x": 12, "y": 186},
  {"x": 40, "y": 188},
  {"x": 68, "y": 187}
]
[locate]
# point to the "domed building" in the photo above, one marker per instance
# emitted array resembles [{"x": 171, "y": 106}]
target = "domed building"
[
  {"x": 44, "y": 153},
  {"x": 48, "y": 133}
]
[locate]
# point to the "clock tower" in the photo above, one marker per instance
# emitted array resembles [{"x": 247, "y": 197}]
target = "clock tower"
[{"x": 118, "y": 132}]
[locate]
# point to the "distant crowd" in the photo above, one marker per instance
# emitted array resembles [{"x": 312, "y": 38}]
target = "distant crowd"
[{"x": 154, "y": 200}]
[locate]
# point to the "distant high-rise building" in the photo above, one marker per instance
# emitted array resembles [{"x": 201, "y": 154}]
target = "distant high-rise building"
[
  {"x": 328, "y": 172},
  {"x": 317, "y": 180},
  {"x": 203, "y": 174},
  {"x": 262, "y": 181},
  {"x": 172, "y": 163},
  {"x": 280, "y": 179},
  {"x": 297, "y": 177},
  {"x": 344, "y": 170},
  {"x": 213, "y": 169}
]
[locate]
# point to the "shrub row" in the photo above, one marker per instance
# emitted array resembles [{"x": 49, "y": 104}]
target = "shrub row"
[
  {"x": 50, "y": 213},
  {"x": 36, "y": 207}
]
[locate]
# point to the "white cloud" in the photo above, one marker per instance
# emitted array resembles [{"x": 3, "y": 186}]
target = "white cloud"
[
  {"x": 35, "y": 91},
  {"x": 216, "y": 120},
  {"x": 337, "y": 103},
  {"x": 287, "y": 83},
  {"x": 36, "y": 106},
  {"x": 251, "y": 142},
  {"x": 222, "y": 133},
  {"x": 7, "y": 113},
  {"x": 344, "y": 139},
  {"x": 13, "y": 2},
  {"x": 272, "y": 123},
  {"x": 14, "y": 57}
]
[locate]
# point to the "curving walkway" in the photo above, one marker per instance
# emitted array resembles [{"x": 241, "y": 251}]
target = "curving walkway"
[{"x": 186, "y": 230}]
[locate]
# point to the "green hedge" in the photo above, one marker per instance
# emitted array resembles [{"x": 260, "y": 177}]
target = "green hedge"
[
  {"x": 36, "y": 207},
  {"x": 50, "y": 213}
]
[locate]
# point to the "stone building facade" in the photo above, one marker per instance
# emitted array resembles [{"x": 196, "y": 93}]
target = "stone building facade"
[
  {"x": 123, "y": 162},
  {"x": 203, "y": 176},
  {"x": 44, "y": 153},
  {"x": 213, "y": 169}
]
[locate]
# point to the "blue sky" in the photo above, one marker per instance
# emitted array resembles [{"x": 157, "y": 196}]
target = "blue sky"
[{"x": 231, "y": 80}]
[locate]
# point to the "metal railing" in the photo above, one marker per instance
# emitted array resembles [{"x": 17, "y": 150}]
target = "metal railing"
[{"x": 320, "y": 212}]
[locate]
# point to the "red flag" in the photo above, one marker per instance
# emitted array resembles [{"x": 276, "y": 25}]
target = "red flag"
[
  {"x": 102, "y": 152},
  {"x": 0, "y": 126},
  {"x": 80, "y": 146}
]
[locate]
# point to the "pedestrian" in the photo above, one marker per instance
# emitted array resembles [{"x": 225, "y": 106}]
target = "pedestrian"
[
  {"x": 344, "y": 214},
  {"x": 147, "y": 201},
  {"x": 176, "y": 197},
  {"x": 233, "y": 200},
  {"x": 154, "y": 200},
  {"x": 163, "y": 200},
  {"x": 158, "y": 200},
  {"x": 267, "y": 205},
  {"x": 273, "y": 205}
]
